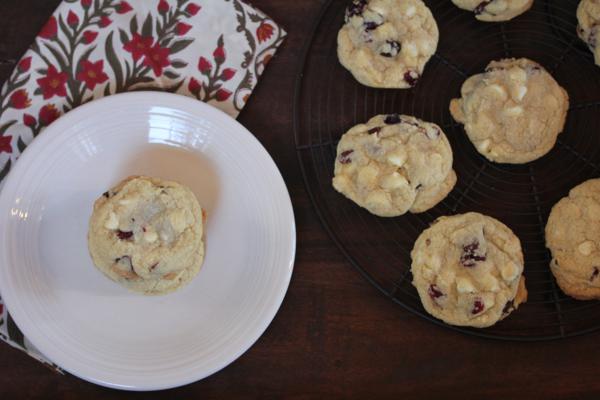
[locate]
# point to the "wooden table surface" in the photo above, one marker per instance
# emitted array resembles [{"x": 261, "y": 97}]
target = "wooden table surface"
[{"x": 335, "y": 335}]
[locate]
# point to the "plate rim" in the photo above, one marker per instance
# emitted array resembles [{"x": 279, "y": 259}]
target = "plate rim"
[{"x": 163, "y": 99}]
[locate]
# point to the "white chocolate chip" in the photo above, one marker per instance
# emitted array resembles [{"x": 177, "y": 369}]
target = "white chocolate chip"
[
  {"x": 509, "y": 272},
  {"x": 586, "y": 248},
  {"x": 397, "y": 158},
  {"x": 464, "y": 285},
  {"x": 483, "y": 145},
  {"x": 497, "y": 90},
  {"x": 125, "y": 201},
  {"x": 393, "y": 181},
  {"x": 150, "y": 236},
  {"x": 367, "y": 175},
  {"x": 517, "y": 74},
  {"x": 410, "y": 49},
  {"x": 490, "y": 283},
  {"x": 513, "y": 111},
  {"x": 410, "y": 11},
  {"x": 520, "y": 93},
  {"x": 177, "y": 219},
  {"x": 112, "y": 222}
]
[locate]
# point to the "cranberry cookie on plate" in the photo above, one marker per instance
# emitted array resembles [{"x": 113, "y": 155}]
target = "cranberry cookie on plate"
[{"x": 148, "y": 235}]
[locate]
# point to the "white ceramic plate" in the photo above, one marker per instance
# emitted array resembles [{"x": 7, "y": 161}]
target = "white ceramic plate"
[{"x": 89, "y": 325}]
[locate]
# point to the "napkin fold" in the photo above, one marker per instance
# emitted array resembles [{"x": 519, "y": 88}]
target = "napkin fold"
[{"x": 212, "y": 50}]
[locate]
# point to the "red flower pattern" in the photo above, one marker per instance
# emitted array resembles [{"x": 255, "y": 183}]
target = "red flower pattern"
[
  {"x": 29, "y": 120},
  {"x": 5, "y": 146},
  {"x": 89, "y": 36},
  {"x": 48, "y": 114},
  {"x": 154, "y": 52},
  {"x": 138, "y": 46},
  {"x": 227, "y": 74},
  {"x": 92, "y": 73},
  {"x": 53, "y": 84},
  {"x": 50, "y": 29},
  {"x": 204, "y": 65},
  {"x": 192, "y": 8},
  {"x": 123, "y": 7},
  {"x": 104, "y": 21},
  {"x": 219, "y": 54},
  {"x": 182, "y": 28},
  {"x": 163, "y": 6},
  {"x": 194, "y": 86},
  {"x": 72, "y": 19},
  {"x": 157, "y": 58},
  {"x": 24, "y": 65},
  {"x": 222, "y": 94},
  {"x": 264, "y": 32},
  {"x": 19, "y": 99}
]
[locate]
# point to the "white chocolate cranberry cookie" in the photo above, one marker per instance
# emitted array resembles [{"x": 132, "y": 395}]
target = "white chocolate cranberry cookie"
[
  {"x": 513, "y": 112},
  {"x": 386, "y": 43},
  {"x": 588, "y": 16},
  {"x": 468, "y": 270},
  {"x": 147, "y": 234},
  {"x": 494, "y": 10},
  {"x": 394, "y": 164},
  {"x": 573, "y": 237}
]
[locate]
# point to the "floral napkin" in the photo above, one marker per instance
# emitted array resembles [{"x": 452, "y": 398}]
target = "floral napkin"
[{"x": 213, "y": 50}]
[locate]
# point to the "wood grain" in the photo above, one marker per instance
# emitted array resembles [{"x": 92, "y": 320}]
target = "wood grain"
[{"x": 334, "y": 336}]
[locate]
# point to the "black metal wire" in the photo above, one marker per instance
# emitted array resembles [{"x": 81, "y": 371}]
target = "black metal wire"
[{"x": 328, "y": 101}]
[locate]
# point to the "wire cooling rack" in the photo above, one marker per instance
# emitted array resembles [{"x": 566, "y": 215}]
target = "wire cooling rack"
[{"x": 328, "y": 101}]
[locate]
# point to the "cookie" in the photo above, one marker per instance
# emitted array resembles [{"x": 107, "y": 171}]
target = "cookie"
[
  {"x": 588, "y": 16},
  {"x": 386, "y": 43},
  {"x": 512, "y": 112},
  {"x": 394, "y": 164},
  {"x": 573, "y": 237},
  {"x": 468, "y": 270},
  {"x": 494, "y": 10},
  {"x": 147, "y": 234}
]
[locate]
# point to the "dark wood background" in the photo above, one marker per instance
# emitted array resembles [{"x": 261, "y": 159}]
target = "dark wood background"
[{"x": 335, "y": 335}]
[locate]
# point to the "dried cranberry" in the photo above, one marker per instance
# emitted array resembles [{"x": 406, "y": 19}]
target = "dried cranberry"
[
  {"x": 428, "y": 242},
  {"x": 481, "y": 7},
  {"x": 345, "y": 157},
  {"x": 153, "y": 266},
  {"x": 594, "y": 274},
  {"x": 434, "y": 292},
  {"x": 509, "y": 307},
  {"x": 411, "y": 77},
  {"x": 370, "y": 25},
  {"x": 477, "y": 306},
  {"x": 419, "y": 186},
  {"x": 392, "y": 119},
  {"x": 394, "y": 48},
  {"x": 106, "y": 194},
  {"x": 470, "y": 256},
  {"x": 124, "y": 235},
  {"x": 371, "y": 131},
  {"x": 355, "y": 8}
]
